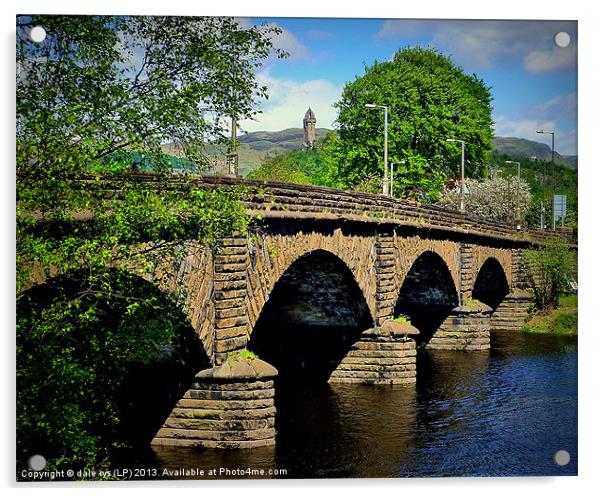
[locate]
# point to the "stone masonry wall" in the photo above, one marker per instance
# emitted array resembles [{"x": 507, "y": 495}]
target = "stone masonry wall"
[
  {"x": 409, "y": 248},
  {"x": 466, "y": 329},
  {"x": 385, "y": 277},
  {"x": 480, "y": 254},
  {"x": 272, "y": 254},
  {"x": 185, "y": 272},
  {"x": 513, "y": 311},
  {"x": 382, "y": 355},
  {"x": 231, "y": 316}
]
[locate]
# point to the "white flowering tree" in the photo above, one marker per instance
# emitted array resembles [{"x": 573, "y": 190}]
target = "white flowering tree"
[{"x": 504, "y": 199}]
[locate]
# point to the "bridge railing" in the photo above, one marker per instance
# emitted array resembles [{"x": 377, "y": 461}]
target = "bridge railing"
[
  {"x": 277, "y": 199},
  {"x": 272, "y": 199}
]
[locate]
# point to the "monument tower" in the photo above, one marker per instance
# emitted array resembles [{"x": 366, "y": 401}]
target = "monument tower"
[{"x": 309, "y": 128}]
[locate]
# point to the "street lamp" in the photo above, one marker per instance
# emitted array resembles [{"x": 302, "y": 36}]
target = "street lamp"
[
  {"x": 391, "y": 177},
  {"x": 541, "y": 131},
  {"x": 386, "y": 109},
  {"x": 461, "y": 173},
  {"x": 517, "y": 188}
]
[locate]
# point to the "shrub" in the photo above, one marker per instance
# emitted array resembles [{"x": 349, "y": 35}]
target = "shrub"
[{"x": 549, "y": 269}]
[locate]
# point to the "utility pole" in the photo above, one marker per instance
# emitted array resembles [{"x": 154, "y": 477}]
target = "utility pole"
[
  {"x": 386, "y": 158},
  {"x": 232, "y": 153},
  {"x": 462, "y": 192},
  {"x": 541, "y": 131}
]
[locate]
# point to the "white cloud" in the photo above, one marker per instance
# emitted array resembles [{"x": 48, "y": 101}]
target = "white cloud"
[
  {"x": 285, "y": 40},
  {"x": 289, "y": 101},
  {"x": 288, "y": 42},
  {"x": 539, "y": 61},
  {"x": 561, "y": 106},
  {"x": 483, "y": 44}
]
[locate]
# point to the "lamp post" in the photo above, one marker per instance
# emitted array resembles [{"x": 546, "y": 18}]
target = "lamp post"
[
  {"x": 391, "y": 176},
  {"x": 517, "y": 189},
  {"x": 541, "y": 131},
  {"x": 461, "y": 172},
  {"x": 385, "y": 178}
]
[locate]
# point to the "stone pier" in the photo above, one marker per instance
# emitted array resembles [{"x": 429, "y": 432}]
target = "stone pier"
[
  {"x": 229, "y": 406},
  {"x": 466, "y": 329},
  {"x": 383, "y": 355},
  {"x": 513, "y": 311}
]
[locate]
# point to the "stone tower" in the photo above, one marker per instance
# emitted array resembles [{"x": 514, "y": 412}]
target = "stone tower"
[{"x": 309, "y": 128}]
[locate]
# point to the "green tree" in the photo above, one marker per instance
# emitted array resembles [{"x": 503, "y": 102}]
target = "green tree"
[
  {"x": 317, "y": 165},
  {"x": 78, "y": 349},
  {"x": 430, "y": 100},
  {"x": 550, "y": 269},
  {"x": 97, "y": 92}
]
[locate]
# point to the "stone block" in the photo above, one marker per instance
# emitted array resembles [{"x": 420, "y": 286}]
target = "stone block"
[
  {"x": 253, "y": 394},
  {"x": 240, "y": 321},
  {"x": 199, "y": 413},
  {"x": 230, "y": 344}
]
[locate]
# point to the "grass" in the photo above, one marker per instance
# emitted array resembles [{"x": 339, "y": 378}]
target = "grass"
[
  {"x": 242, "y": 354},
  {"x": 561, "y": 321},
  {"x": 402, "y": 319}
]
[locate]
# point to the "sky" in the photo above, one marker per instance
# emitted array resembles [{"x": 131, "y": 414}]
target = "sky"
[{"x": 533, "y": 81}]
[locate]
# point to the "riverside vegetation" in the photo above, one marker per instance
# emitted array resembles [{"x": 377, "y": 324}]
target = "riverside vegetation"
[{"x": 99, "y": 90}]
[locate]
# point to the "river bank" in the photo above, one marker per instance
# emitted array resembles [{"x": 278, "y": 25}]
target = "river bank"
[{"x": 562, "y": 320}]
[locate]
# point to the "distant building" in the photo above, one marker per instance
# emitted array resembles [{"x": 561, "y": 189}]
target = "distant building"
[{"x": 309, "y": 128}]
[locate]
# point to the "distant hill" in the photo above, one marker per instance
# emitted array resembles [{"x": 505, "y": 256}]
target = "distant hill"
[
  {"x": 519, "y": 147},
  {"x": 292, "y": 139},
  {"x": 288, "y": 139},
  {"x": 257, "y": 146}
]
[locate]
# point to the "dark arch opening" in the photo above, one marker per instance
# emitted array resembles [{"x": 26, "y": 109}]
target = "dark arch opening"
[
  {"x": 111, "y": 370},
  {"x": 491, "y": 286},
  {"x": 427, "y": 296},
  {"x": 314, "y": 313}
]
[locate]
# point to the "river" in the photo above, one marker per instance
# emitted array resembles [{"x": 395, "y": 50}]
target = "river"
[{"x": 505, "y": 412}]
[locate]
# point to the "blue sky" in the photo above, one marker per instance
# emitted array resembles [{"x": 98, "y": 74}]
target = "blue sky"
[{"x": 533, "y": 81}]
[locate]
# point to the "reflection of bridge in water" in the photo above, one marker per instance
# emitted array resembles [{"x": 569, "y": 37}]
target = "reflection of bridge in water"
[{"x": 332, "y": 286}]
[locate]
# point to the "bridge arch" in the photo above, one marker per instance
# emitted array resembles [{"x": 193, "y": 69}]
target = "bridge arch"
[
  {"x": 141, "y": 381},
  {"x": 182, "y": 273},
  {"x": 315, "y": 312},
  {"x": 271, "y": 255},
  {"x": 491, "y": 284},
  {"x": 428, "y": 294}
]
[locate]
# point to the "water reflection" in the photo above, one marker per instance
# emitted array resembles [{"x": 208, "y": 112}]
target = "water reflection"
[
  {"x": 336, "y": 430},
  {"x": 503, "y": 412}
]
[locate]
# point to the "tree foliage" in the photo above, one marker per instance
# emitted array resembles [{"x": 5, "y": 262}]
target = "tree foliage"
[
  {"x": 550, "y": 270},
  {"x": 98, "y": 91},
  {"x": 503, "y": 199},
  {"x": 538, "y": 174},
  {"x": 317, "y": 165},
  {"x": 429, "y": 100},
  {"x": 77, "y": 345}
]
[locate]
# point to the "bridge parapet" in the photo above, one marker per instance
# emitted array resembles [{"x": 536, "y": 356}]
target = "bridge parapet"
[{"x": 276, "y": 200}]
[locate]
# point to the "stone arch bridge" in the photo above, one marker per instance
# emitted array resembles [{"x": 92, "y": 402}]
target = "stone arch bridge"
[
  {"x": 338, "y": 286},
  {"x": 333, "y": 285},
  {"x": 387, "y": 247}
]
